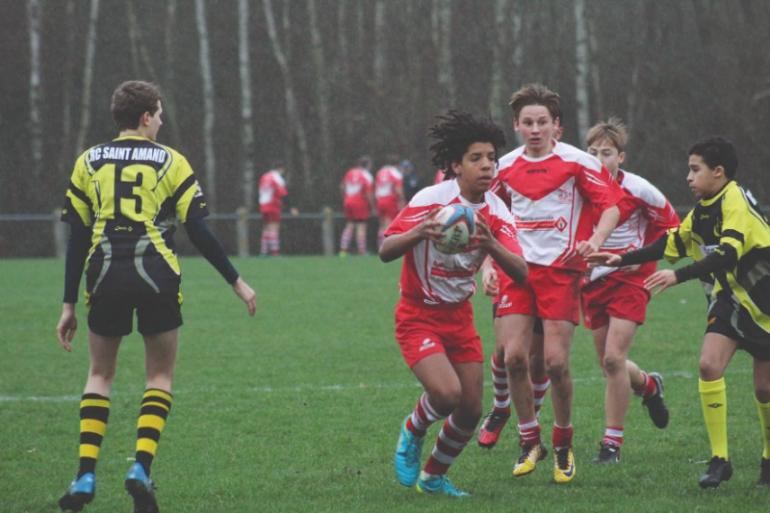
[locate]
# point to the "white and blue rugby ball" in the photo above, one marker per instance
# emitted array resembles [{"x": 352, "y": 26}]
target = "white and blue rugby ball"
[{"x": 458, "y": 225}]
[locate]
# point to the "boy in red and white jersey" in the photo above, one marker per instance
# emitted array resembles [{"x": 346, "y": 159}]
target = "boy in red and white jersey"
[
  {"x": 550, "y": 187},
  {"x": 614, "y": 300},
  {"x": 434, "y": 317},
  {"x": 356, "y": 187},
  {"x": 388, "y": 194},
  {"x": 272, "y": 190}
]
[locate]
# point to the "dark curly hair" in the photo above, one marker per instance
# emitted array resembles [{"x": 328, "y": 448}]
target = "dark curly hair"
[{"x": 453, "y": 134}]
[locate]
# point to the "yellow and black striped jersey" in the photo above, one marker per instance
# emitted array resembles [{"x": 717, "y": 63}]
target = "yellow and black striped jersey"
[
  {"x": 730, "y": 219},
  {"x": 129, "y": 192}
]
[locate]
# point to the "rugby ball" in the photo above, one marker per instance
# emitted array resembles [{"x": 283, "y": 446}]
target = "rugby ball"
[{"x": 458, "y": 224}]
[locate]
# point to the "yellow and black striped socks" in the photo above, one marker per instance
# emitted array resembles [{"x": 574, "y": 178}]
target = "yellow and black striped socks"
[
  {"x": 152, "y": 418},
  {"x": 764, "y": 421},
  {"x": 713, "y": 398},
  {"x": 94, "y": 412}
]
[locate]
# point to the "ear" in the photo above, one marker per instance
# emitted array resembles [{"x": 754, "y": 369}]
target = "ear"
[
  {"x": 455, "y": 166},
  {"x": 145, "y": 119},
  {"x": 719, "y": 171},
  {"x": 621, "y": 157}
]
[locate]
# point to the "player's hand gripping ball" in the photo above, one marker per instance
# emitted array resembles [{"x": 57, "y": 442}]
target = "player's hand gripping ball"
[{"x": 458, "y": 225}]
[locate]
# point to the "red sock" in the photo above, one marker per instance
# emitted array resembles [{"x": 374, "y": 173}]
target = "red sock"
[
  {"x": 561, "y": 436},
  {"x": 529, "y": 433}
]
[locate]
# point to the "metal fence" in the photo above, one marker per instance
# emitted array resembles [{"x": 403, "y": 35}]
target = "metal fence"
[{"x": 312, "y": 233}]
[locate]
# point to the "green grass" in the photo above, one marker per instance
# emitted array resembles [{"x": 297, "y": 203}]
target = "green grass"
[{"x": 298, "y": 409}]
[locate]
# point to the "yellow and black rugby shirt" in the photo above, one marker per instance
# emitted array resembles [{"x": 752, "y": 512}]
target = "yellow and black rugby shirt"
[
  {"x": 731, "y": 221},
  {"x": 129, "y": 192}
]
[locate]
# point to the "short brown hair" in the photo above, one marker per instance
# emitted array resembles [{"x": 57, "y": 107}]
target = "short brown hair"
[
  {"x": 132, "y": 99},
  {"x": 612, "y": 130},
  {"x": 536, "y": 94}
]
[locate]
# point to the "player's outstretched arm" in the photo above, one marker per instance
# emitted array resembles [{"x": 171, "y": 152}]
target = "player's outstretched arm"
[
  {"x": 513, "y": 265},
  {"x": 395, "y": 246},
  {"x": 607, "y": 222}
]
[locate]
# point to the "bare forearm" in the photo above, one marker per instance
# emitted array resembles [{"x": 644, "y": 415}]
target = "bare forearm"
[
  {"x": 395, "y": 246},
  {"x": 512, "y": 264},
  {"x": 607, "y": 222}
]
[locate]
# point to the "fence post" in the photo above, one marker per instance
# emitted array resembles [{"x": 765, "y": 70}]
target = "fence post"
[
  {"x": 327, "y": 231},
  {"x": 59, "y": 234},
  {"x": 242, "y": 231}
]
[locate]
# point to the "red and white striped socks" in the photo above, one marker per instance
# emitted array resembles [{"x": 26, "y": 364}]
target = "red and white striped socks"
[
  {"x": 450, "y": 442},
  {"x": 500, "y": 384},
  {"x": 529, "y": 433},
  {"x": 422, "y": 417},
  {"x": 613, "y": 435}
]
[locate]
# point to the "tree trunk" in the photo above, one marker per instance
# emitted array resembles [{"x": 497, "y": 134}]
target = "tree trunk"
[
  {"x": 169, "y": 77},
  {"x": 496, "y": 106},
  {"x": 65, "y": 144},
  {"x": 445, "y": 72},
  {"x": 208, "y": 105},
  {"x": 343, "y": 71},
  {"x": 378, "y": 60},
  {"x": 322, "y": 86},
  {"x": 34, "y": 17},
  {"x": 292, "y": 111},
  {"x": 582, "y": 70},
  {"x": 247, "y": 130},
  {"x": 88, "y": 74}
]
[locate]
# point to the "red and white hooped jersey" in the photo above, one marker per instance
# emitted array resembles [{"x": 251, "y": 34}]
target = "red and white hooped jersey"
[
  {"x": 651, "y": 215},
  {"x": 357, "y": 184},
  {"x": 386, "y": 183},
  {"x": 547, "y": 196},
  {"x": 272, "y": 188},
  {"x": 432, "y": 278}
]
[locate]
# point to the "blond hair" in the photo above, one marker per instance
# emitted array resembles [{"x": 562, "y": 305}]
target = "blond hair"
[{"x": 612, "y": 130}]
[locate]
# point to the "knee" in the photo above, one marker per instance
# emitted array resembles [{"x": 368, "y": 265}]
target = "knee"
[
  {"x": 516, "y": 363},
  {"x": 556, "y": 368},
  {"x": 613, "y": 364},
  {"x": 445, "y": 399},
  {"x": 708, "y": 371}
]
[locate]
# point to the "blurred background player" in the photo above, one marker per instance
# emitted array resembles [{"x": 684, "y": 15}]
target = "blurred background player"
[
  {"x": 729, "y": 238},
  {"x": 123, "y": 198},
  {"x": 550, "y": 187},
  {"x": 388, "y": 194},
  {"x": 439, "y": 176},
  {"x": 615, "y": 301},
  {"x": 358, "y": 201},
  {"x": 272, "y": 191},
  {"x": 434, "y": 317},
  {"x": 412, "y": 180}
]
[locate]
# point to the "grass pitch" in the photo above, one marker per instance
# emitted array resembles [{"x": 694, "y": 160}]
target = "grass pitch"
[{"x": 299, "y": 408}]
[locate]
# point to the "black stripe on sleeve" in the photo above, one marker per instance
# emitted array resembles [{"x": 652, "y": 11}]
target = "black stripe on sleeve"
[
  {"x": 681, "y": 249},
  {"x": 188, "y": 182},
  {"x": 80, "y": 195},
  {"x": 734, "y": 234}
]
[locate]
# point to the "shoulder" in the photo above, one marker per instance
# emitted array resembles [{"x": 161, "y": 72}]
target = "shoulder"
[
  {"x": 509, "y": 158},
  {"x": 439, "y": 194},
  {"x": 497, "y": 207},
  {"x": 569, "y": 153},
  {"x": 641, "y": 188}
]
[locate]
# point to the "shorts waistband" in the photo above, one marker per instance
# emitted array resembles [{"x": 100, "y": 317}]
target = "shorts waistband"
[{"x": 420, "y": 303}]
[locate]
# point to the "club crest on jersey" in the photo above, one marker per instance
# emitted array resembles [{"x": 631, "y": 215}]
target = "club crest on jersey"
[{"x": 564, "y": 194}]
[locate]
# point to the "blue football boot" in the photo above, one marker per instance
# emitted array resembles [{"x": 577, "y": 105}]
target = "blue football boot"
[
  {"x": 142, "y": 489},
  {"x": 439, "y": 485},
  {"x": 80, "y": 493},
  {"x": 407, "y": 458}
]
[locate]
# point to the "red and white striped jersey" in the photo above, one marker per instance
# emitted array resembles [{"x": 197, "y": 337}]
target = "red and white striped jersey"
[
  {"x": 357, "y": 184},
  {"x": 272, "y": 188},
  {"x": 386, "y": 183},
  {"x": 547, "y": 196},
  {"x": 436, "y": 279},
  {"x": 651, "y": 215}
]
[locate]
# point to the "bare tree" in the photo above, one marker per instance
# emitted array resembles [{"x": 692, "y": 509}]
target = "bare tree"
[
  {"x": 292, "y": 111},
  {"x": 247, "y": 130},
  {"x": 65, "y": 142},
  {"x": 321, "y": 84},
  {"x": 88, "y": 75},
  {"x": 208, "y": 104},
  {"x": 34, "y": 17},
  {"x": 342, "y": 67},
  {"x": 582, "y": 68},
  {"x": 378, "y": 60},
  {"x": 443, "y": 19},
  {"x": 498, "y": 50},
  {"x": 168, "y": 72}
]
